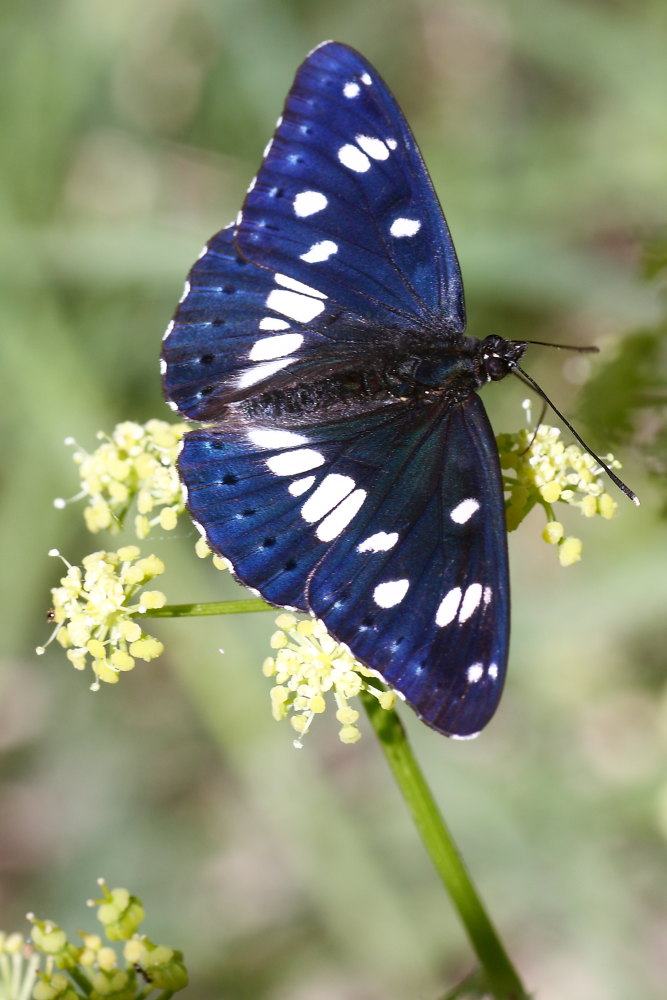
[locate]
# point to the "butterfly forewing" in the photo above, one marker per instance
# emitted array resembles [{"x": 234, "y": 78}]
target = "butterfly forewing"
[
  {"x": 224, "y": 341},
  {"x": 343, "y": 202}
]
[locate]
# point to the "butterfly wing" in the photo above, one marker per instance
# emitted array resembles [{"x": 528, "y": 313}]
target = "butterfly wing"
[
  {"x": 225, "y": 342},
  {"x": 343, "y": 202},
  {"x": 354, "y": 521},
  {"x": 354, "y": 253}
]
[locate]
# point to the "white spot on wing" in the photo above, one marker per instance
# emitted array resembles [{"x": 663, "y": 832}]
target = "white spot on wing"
[
  {"x": 380, "y": 542},
  {"x": 338, "y": 519},
  {"x": 168, "y": 330},
  {"x": 172, "y": 405},
  {"x": 273, "y": 323},
  {"x": 275, "y": 347},
  {"x": 405, "y": 227},
  {"x": 274, "y": 439},
  {"x": 293, "y": 463},
  {"x": 302, "y": 308},
  {"x": 260, "y": 372},
  {"x": 186, "y": 292},
  {"x": 300, "y": 486},
  {"x": 470, "y": 602},
  {"x": 493, "y": 671},
  {"x": 203, "y": 252},
  {"x": 487, "y": 595},
  {"x": 267, "y": 148},
  {"x": 375, "y": 148},
  {"x": 352, "y": 158},
  {"x": 470, "y": 736},
  {"x": 328, "y": 495},
  {"x": 163, "y": 366},
  {"x": 351, "y": 89},
  {"x": 391, "y": 143},
  {"x": 464, "y": 510},
  {"x": 390, "y": 593},
  {"x": 448, "y": 607},
  {"x": 297, "y": 286},
  {"x": 308, "y": 203},
  {"x": 365, "y": 78},
  {"x": 475, "y": 673},
  {"x": 320, "y": 251}
]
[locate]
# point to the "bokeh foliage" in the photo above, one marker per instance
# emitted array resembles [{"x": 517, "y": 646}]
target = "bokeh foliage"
[{"x": 130, "y": 131}]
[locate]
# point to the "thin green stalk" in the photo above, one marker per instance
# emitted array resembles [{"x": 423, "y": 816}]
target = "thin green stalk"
[
  {"x": 210, "y": 608},
  {"x": 501, "y": 977},
  {"x": 81, "y": 980}
]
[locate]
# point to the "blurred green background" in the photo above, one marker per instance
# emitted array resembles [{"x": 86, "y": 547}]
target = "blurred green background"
[{"x": 130, "y": 130}]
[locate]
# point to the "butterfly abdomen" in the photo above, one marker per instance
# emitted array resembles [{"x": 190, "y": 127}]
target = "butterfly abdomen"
[{"x": 341, "y": 393}]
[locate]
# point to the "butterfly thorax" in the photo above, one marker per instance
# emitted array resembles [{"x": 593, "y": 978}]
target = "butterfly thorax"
[{"x": 448, "y": 373}]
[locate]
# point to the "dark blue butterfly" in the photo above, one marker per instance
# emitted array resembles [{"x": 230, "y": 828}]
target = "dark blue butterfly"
[{"x": 347, "y": 467}]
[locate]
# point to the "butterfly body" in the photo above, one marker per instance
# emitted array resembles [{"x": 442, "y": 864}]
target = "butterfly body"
[
  {"x": 346, "y": 466},
  {"x": 448, "y": 375}
]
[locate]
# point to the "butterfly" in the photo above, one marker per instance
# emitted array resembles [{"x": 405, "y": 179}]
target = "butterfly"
[{"x": 346, "y": 466}]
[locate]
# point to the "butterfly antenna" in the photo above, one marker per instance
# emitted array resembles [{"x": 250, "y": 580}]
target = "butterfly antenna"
[
  {"x": 542, "y": 394},
  {"x": 564, "y": 347}
]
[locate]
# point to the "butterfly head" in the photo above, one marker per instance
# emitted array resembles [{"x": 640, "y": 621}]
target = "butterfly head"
[{"x": 500, "y": 357}]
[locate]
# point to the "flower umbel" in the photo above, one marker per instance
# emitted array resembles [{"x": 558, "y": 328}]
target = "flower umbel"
[
  {"x": 138, "y": 461},
  {"x": 309, "y": 665},
  {"x": 94, "y": 607},
  {"x": 52, "y": 967},
  {"x": 538, "y": 468}
]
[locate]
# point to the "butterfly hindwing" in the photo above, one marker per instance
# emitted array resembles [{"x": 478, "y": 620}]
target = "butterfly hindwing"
[
  {"x": 363, "y": 530},
  {"x": 343, "y": 202}
]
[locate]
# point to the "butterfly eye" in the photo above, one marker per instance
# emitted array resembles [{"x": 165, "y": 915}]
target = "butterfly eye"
[{"x": 496, "y": 368}]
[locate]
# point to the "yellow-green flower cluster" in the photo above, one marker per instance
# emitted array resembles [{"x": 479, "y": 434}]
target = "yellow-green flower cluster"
[
  {"x": 309, "y": 665},
  {"x": 52, "y": 967},
  {"x": 136, "y": 461},
  {"x": 94, "y": 606},
  {"x": 18, "y": 967},
  {"x": 538, "y": 468}
]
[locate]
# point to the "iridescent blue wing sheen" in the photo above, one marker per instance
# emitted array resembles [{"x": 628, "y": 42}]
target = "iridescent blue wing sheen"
[
  {"x": 388, "y": 526},
  {"x": 355, "y": 255},
  {"x": 225, "y": 342},
  {"x": 343, "y": 202},
  {"x": 239, "y": 327}
]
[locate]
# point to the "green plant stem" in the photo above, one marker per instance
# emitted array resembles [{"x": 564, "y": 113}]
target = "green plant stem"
[
  {"x": 210, "y": 608},
  {"x": 501, "y": 976},
  {"x": 81, "y": 980}
]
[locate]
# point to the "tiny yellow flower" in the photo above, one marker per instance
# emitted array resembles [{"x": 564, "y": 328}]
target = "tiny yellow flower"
[
  {"x": 309, "y": 668},
  {"x": 136, "y": 462},
  {"x": 119, "y": 912},
  {"x": 539, "y": 469},
  {"x": 553, "y": 532},
  {"x": 93, "y": 608},
  {"x": 569, "y": 551}
]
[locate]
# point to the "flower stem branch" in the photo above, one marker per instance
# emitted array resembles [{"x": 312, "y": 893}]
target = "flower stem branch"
[
  {"x": 501, "y": 977},
  {"x": 209, "y": 608}
]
